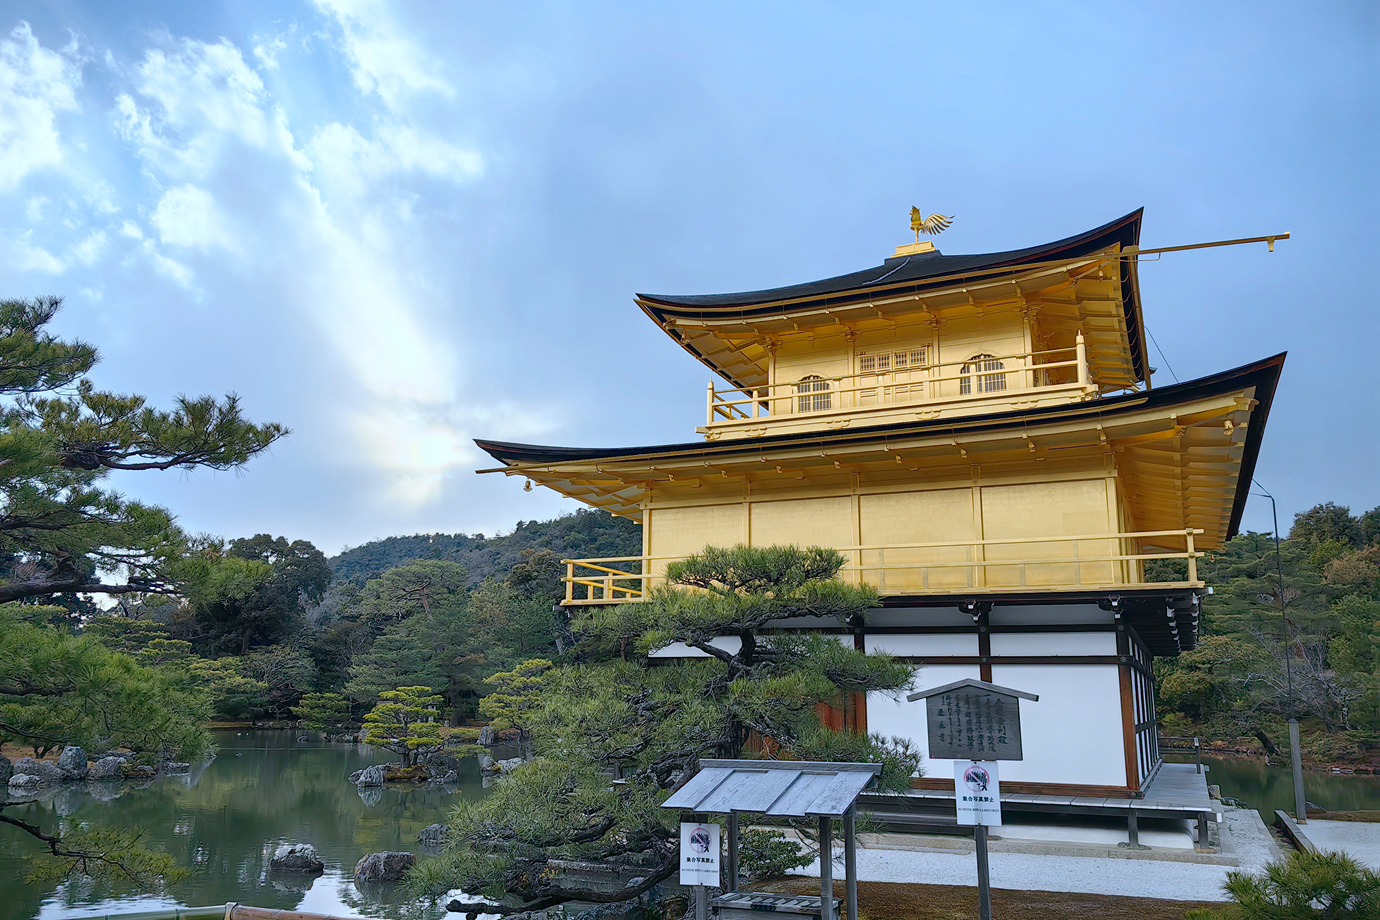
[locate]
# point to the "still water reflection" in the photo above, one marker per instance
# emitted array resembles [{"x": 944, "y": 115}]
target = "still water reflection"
[
  {"x": 226, "y": 819},
  {"x": 1266, "y": 788}
]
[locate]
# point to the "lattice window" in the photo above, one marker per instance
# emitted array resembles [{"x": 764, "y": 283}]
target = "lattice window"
[
  {"x": 814, "y": 394},
  {"x": 979, "y": 368},
  {"x": 882, "y": 362}
]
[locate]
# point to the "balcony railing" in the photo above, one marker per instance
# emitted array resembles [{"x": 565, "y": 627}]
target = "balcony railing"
[
  {"x": 1034, "y": 564},
  {"x": 906, "y": 378}
]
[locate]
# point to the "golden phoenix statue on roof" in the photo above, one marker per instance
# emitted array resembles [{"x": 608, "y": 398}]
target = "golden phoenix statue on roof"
[{"x": 934, "y": 225}]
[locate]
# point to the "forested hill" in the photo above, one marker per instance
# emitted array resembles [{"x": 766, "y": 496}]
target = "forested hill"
[{"x": 584, "y": 534}]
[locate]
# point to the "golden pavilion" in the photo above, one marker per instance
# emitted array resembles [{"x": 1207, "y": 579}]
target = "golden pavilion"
[{"x": 978, "y": 435}]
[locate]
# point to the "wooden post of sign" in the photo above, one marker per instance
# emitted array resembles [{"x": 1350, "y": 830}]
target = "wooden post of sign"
[
  {"x": 826, "y": 868},
  {"x": 977, "y": 720},
  {"x": 701, "y": 891},
  {"x": 732, "y": 868},
  {"x": 984, "y": 875},
  {"x": 850, "y": 864}
]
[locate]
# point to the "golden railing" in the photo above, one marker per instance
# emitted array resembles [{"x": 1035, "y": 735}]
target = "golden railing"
[
  {"x": 984, "y": 378},
  {"x": 1064, "y": 563}
]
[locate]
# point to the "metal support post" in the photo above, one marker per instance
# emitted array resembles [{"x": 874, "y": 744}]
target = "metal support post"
[
  {"x": 984, "y": 874},
  {"x": 731, "y": 883},
  {"x": 826, "y": 869},
  {"x": 1300, "y": 803},
  {"x": 850, "y": 864}
]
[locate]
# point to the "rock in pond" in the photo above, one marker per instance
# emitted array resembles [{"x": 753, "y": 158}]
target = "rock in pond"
[
  {"x": 173, "y": 766},
  {"x": 24, "y": 781},
  {"x": 6, "y": 770},
  {"x": 434, "y": 835},
  {"x": 438, "y": 765},
  {"x": 72, "y": 763},
  {"x": 296, "y": 857},
  {"x": 139, "y": 770},
  {"x": 106, "y": 768},
  {"x": 384, "y": 867},
  {"x": 371, "y": 776},
  {"x": 46, "y": 771}
]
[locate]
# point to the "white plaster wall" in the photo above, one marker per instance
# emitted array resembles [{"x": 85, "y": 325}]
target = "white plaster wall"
[
  {"x": 923, "y": 645},
  {"x": 1101, "y": 643},
  {"x": 1073, "y": 734},
  {"x": 907, "y": 720},
  {"x": 730, "y": 644}
]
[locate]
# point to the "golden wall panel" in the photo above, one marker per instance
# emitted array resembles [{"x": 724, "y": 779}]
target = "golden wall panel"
[
  {"x": 803, "y": 522},
  {"x": 936, "y": 516},
  {"x": 1048, "y": 509},
  {"x": 682, "y": 531}
]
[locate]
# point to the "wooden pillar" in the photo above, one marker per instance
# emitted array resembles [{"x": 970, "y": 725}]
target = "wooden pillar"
[
  {"x": 850, "y": 864},
  {"x": 826, "y": 869},
  {"x": 1132, "y": 829},
  {"x": 731, "y": 883}
]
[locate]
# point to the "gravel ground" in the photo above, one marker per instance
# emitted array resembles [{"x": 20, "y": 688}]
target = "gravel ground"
[
  {"x": 1149, "y": 878},
  {"x": 1359, "y": 840}
]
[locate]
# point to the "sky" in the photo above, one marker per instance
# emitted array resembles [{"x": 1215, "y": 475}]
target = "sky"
[{"x": 398, "y": 226}]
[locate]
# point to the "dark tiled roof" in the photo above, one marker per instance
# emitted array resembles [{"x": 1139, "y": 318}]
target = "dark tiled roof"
[{"x": 916, "y": 268}]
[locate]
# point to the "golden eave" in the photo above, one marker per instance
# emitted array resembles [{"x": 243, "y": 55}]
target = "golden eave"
[{"x": 1180, "y": 464}]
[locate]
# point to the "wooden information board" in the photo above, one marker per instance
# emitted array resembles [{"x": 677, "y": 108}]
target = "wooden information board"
[{"x": 967, "y": 723}]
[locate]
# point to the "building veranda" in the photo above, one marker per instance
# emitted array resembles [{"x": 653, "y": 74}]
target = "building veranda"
[{"x": 979, "y": 436}]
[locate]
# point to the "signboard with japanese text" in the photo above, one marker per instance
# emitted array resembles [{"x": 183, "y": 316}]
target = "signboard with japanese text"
[
  {"x": 968, "y": 723},
  {"x": 699, "y": 854},
  {"x": 977, "y": 793}
]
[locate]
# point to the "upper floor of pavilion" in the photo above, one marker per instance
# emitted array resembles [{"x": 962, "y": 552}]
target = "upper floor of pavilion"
[{"x": 922, "y": 336}]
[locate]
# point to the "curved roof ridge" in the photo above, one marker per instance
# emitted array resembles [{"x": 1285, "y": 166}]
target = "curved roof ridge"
[{"x": 1124, "y": 230}]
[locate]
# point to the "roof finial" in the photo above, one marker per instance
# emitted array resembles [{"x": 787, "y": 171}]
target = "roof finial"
[{"x": 933, "y": 225}]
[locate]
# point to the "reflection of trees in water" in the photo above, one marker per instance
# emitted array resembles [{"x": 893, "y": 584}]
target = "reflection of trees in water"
[
  {"x": 1266, "y": 788},
  {"x": 227, "y": 819}
]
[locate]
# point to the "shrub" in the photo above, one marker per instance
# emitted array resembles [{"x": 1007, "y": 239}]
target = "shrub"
[
  {"x": 1302, "y": 886},
  {"x": 764, "y": 853}
]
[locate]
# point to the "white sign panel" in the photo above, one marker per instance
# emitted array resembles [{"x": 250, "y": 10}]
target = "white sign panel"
[
  {"x": 977, "y": 792},
  {"x": 699, "y": 854}
]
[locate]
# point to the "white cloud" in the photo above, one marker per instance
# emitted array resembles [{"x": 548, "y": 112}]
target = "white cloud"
[
  {"x": 267, "y": 47},
  {"x": 203, "y": 99},
  {"x": 171, "y": 269},
  {"x": 18, "y": 254},
  {"x": 130, "y": 229},
  {"x": 188, "y": 217},
  {"x": 384, "y": 59},
  {"x": 89, "y": 249},
  {"x": 36, "y": 84},
  {"x": 33, "y": 208},
  {"x": 101, "y": 198},
  {"x": 348, "y": 163}
]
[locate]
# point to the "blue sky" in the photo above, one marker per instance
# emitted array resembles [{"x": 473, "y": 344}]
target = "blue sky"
[{"x": 398, "y": 226}]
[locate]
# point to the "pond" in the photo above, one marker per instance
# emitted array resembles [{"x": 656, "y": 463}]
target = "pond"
[
  {"x": 1269, "y": 787},
  {"x": 226, "y": 818}
]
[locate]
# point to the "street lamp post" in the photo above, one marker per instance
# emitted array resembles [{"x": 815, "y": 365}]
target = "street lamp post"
[{"x": 1300, "y": 803}]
